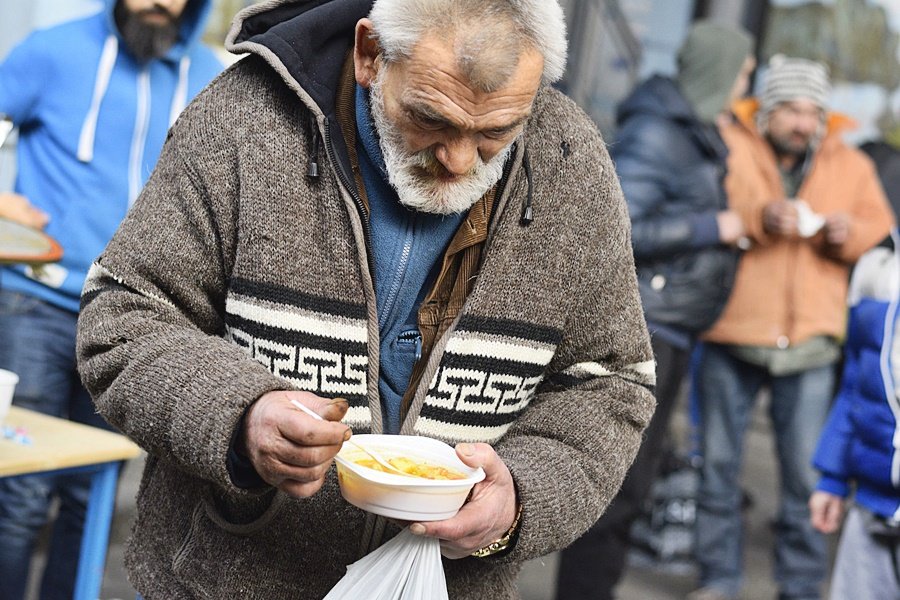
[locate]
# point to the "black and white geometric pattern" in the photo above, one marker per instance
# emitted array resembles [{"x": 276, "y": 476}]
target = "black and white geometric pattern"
[
  {"x": 317, "y": 344},
  {"x": 487, "y": 376}
]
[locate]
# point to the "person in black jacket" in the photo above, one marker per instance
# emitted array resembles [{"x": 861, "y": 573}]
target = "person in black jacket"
[
  {"x": 885, "y": 153},
  {"x": 671, "y": 162}
]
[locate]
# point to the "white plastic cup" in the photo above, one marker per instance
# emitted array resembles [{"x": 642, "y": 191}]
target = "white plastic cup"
[{"x": 8, "y": 381}]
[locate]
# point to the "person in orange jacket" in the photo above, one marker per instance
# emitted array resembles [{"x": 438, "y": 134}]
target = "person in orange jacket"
[{"x": 812, "y": 206}]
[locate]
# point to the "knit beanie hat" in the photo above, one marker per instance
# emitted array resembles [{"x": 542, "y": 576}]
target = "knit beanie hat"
[
  {"x": 793, "y": 78},
  {"x": 709, "y": 61}
]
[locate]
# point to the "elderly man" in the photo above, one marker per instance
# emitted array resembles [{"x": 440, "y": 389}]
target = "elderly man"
[
  {"x": 93, "y": 99},
  {"x": 394, "y": 221},
  {"x": 812, "y": 206}
]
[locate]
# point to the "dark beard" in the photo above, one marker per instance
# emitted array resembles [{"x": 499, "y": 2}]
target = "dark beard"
[{"x": 144, "y": 41}]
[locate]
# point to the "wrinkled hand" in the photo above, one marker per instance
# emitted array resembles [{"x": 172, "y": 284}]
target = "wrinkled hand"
[
  {"x": 289, "y": 449},
  {"x": 826, "y": 511},
  {"x": 488, "y": 514},
  {"x": 837, "y": 228},
  {"x": 780, "y": 218},
  {"x": 731, "y": 227},
  {"x": 17, "y": 208}
]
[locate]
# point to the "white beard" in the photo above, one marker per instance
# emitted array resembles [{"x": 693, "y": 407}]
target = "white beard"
[{"x": 408, "y": 172}]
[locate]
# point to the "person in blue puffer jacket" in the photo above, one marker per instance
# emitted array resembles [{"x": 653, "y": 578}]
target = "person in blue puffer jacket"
[
  {"x": 92, "y": 99},
  {"x": 857, "y": 453},
  {"x": 671, "y": 161}
]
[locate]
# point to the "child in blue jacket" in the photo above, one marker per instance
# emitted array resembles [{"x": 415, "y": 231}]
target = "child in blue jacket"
[{"x": 858, "y": 451}]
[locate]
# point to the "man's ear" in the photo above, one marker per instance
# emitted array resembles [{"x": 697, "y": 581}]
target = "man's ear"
[{"x": 365, "y": 52}]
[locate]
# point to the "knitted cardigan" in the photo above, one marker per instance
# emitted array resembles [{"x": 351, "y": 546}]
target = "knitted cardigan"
[{"x": 235, "y": 274}]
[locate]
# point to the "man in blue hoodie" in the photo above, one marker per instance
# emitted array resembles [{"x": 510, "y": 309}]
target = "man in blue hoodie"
[{"x": 93, "y": 99}]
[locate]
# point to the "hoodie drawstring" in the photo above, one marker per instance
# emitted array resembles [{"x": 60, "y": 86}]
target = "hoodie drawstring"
[
  {"x": 104, "y": 72},
  {"x": 139, "y": 137},
  {"x": 179, "y": 98},
  {"x": 89, "y": 129},
  {"x": 527, "y": 213}
]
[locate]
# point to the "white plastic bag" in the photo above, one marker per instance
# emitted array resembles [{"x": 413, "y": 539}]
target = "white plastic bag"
[{"x": 406, "y": 568}]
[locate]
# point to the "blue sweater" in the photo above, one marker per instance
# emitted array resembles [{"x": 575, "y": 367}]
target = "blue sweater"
[
  {"x": 92, "y": 122},
  {"x": 407, "y": 247},
  {"x": 857, "y": 444}
]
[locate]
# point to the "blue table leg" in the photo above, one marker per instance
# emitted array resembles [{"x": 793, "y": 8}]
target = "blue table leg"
[{"x": 96, "y": 532}]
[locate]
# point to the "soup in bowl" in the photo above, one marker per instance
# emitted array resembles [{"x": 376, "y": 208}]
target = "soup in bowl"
[{"x": 432, "y": 484}]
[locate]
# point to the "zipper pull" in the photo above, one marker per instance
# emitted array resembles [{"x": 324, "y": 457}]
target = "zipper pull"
[
  {"x": 411, "y": 337},
  {"x": 312, "y": 168}
]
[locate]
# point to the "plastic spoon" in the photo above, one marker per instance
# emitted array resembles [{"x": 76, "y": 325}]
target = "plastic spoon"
[{"x": 368, "y": 451}]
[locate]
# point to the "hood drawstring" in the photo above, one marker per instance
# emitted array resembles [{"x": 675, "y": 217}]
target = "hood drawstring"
[
  {"x": 179, "y": 98},
  {"x": 527, "y": 214},
  {"x": 104, "y": 72},
  {"x": 312, "y": 168}
]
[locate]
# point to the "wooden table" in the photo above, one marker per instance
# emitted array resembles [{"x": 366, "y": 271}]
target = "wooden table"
[{"x": 61, "y": 446}]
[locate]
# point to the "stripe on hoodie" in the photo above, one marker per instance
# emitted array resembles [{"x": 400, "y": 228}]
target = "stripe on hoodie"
[{"x": 889, "y": 347}]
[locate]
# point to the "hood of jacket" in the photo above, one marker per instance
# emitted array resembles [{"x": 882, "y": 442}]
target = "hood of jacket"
[
  {"x": 658, "y": 96},
  {"x": 193, "y": 22},
  {"x": 709, "y": 62},
  {"x": 285, "y": 33}
]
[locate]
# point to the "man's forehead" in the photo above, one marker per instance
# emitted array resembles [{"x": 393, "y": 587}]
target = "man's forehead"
[
  {"x": 497, "y": 119},
  {"x": 451, "y": 52},
  {"x": 431, "y": 78}
]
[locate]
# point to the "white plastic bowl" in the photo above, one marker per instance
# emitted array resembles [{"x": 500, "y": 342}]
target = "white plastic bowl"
[{"x": 399, "y": 496}]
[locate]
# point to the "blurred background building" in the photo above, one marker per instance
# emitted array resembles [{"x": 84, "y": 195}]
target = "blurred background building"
[{"x": 615, "y": 43}]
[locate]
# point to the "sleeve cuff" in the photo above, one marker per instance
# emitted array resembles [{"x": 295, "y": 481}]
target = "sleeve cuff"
[
  {"x": 833, "y": 486},
  {"x": 705, "y": 229},
  {"x": 240, "y": 469}
]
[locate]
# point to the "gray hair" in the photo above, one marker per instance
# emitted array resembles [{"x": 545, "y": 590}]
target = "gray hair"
[{"x": 489, "y": 35}]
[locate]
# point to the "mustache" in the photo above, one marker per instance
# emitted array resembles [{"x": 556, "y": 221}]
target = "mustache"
[
  {"x": 428, "y": 162},
  {"x": 157, "y": 11},
  {"x": 803, "y": 137}
]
